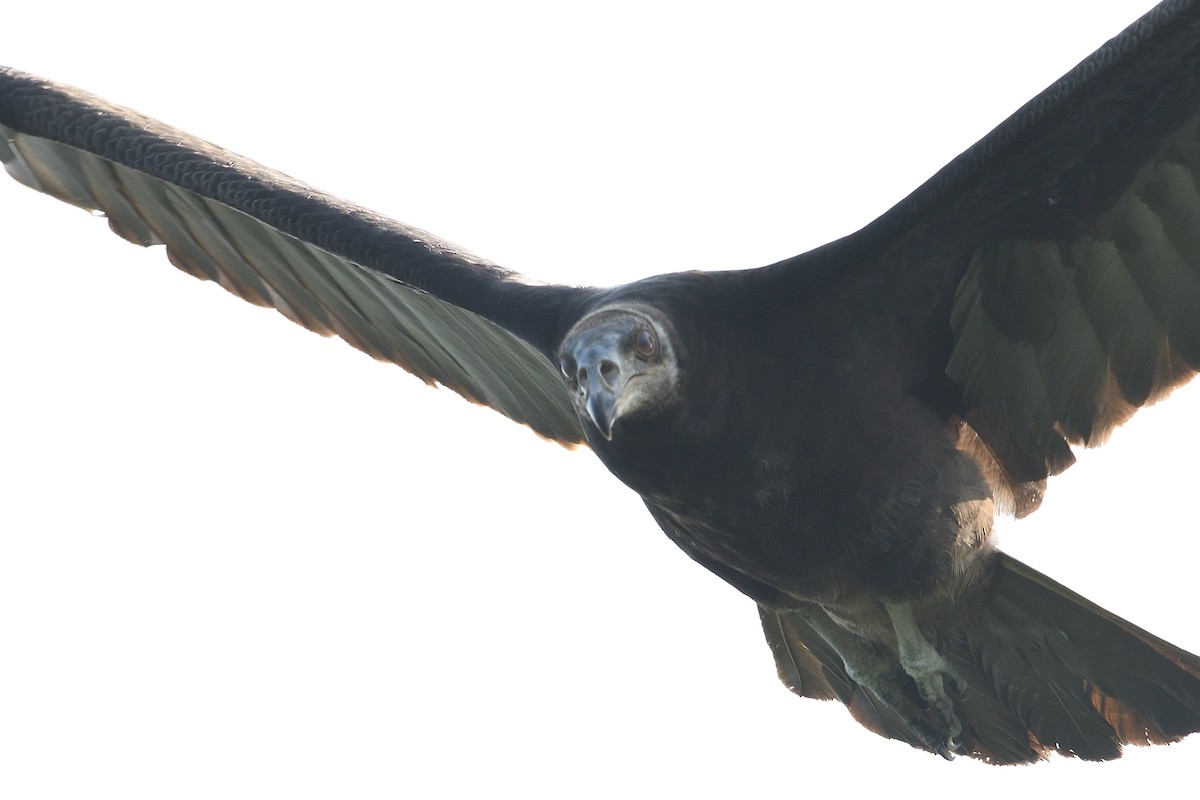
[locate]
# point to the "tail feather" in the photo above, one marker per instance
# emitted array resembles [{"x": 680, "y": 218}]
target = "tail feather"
[
  {"x": 1044, "y": 695},
  {"x": 810, "y": 667},
  {"x": 1147, "y": 689},
  {"x": 1045, "y": 669},
  {"x": 989, "y": 724},
  {"x": 807, "y": 665}
]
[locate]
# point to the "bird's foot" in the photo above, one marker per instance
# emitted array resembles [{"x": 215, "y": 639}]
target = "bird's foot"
[
  {"x": 938, "y": 684},
  {"x": 920, "y": 701},
  {"x": 936, "y": 681},
  {"x": 931, "y": 719}
]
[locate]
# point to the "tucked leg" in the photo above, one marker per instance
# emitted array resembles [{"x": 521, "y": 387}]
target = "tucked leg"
[
  {"x": 934, "y": 677},
  {"x": 874, "y": 667}
]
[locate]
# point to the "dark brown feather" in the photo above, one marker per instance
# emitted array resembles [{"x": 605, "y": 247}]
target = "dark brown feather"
[{"x": 1046, "y": 671}]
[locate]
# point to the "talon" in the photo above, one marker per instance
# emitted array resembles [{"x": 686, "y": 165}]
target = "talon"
[
  {"x": 914, "y": 680},
  {"x": 938, "y": 684}
]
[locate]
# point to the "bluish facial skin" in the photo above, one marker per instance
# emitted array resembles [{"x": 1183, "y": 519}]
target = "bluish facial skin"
[{"x": 615, "y": 361}]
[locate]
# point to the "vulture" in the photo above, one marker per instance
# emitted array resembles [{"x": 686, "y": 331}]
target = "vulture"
[{"x": 833, "y": 434}]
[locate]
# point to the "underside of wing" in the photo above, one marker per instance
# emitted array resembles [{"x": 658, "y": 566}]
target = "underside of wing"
[
  {"x": 394, "y": 292},
  {"x": 1058, "y": 341},
  {"x": 1052, "y": 271},
  {"x": 1080, "y": 299}
]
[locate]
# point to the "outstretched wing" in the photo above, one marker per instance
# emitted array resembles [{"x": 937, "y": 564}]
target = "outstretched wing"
[
  {"x": 1057, "y": 261},
  {"x": 395, "y": 292}
]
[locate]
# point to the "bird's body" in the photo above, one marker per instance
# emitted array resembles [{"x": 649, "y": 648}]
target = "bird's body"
[
  {"x": 835, "y": 430},
  {"x": 808, "y": 506}
]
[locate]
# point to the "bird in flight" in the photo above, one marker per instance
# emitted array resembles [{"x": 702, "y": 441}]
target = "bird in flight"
[{"x": 831, "y": 434}]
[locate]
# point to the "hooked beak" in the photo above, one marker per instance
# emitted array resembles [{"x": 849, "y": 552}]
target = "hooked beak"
[
  {"x": 606, "y": 360},
  {"x": 601, "y": 382}
]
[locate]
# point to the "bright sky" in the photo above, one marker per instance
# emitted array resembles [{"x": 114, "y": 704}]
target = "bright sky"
[{"x": 238, "y": 560}]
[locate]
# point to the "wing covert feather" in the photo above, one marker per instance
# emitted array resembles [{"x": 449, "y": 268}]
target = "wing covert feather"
[{"x": 1057, "y": 260}]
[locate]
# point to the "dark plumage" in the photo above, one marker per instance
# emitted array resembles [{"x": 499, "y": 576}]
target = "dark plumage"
[{"x": 862, "y": 339}]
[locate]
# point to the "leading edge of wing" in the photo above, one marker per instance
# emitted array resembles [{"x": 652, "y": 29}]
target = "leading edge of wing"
[
  {"x": 909, "y": 256},
  {"x": 393, "y": 291},
  {"x": 1050, "y": 268},
  {"x": 1031, "y": 150}
]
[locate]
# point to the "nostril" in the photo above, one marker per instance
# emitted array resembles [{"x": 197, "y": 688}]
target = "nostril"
[
  {"x": 608, "y": 371},
  {"x": 582, "y": 376}
]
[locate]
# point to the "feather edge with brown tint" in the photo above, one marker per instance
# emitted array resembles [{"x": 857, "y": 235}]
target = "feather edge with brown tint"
[{"x": 1046, "y": 671}]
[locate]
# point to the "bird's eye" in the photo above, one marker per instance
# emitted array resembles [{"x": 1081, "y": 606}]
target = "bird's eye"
[
  {"x": 566, "y": 365},
  {"x": 644, "y": 343}
]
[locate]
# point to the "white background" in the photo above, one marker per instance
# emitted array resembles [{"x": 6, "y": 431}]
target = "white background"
[{"x": 239, "y": 560}]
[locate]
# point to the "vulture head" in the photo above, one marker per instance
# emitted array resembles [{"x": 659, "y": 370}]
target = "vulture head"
[{"x": 619, "y": 362}]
